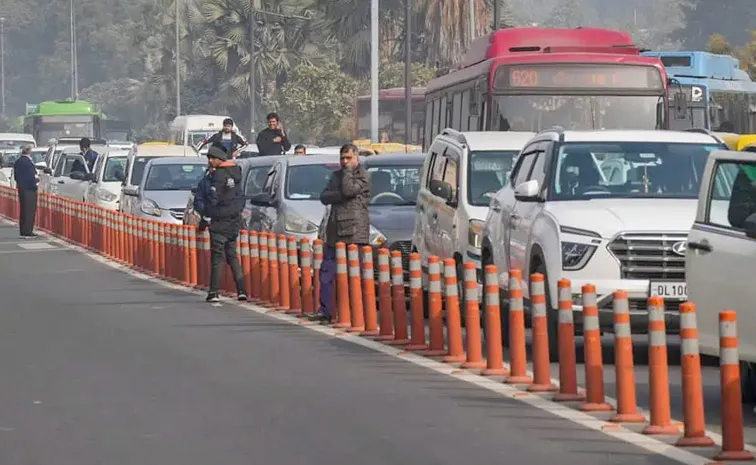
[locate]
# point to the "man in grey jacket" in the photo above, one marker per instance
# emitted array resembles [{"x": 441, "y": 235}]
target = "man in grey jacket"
[{"x": 347, "y": 194}]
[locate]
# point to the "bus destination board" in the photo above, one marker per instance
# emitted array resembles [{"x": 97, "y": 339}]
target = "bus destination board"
[{"x": 579, "y": 77}]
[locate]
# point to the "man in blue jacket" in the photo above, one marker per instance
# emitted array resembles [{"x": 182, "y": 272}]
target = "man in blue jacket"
[
  {"x": 202, "y": 194},
  {"x": 25, "y": 175},
  {"x": 89, "y": 155}
]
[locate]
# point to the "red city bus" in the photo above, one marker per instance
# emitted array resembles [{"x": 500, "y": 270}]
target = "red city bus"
[
  {"x": 529, "y": 79},
  {"x": 391, "y": 115}
]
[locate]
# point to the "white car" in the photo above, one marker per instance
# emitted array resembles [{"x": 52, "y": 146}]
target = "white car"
[
  {"x": 461, "y": 172},
  {"x": 71, "y": 177},
  {"x": 608, "y": 208},
  {"x": 104, "y": 188}
]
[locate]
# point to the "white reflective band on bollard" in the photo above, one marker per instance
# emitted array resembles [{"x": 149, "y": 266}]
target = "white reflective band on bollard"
[
  {"x": 589, "y": 299},
  {"x": 688, "y": 320},
  {"x": 728, "y": 329},
  {"x": 622, "y": 329},
  {"x": 689, "y": 346},
  {"x": 729, "y": 356}
]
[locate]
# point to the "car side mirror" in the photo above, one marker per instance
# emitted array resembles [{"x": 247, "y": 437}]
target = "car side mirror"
[
  {"x": 749, "y": 225},
  {"x": 261, "y": 199},
  {"x": 90, "y": 177},
  {"x": 78, "y": 175},
  {"x": 40, "y": 166},
  {"x": 47, "y": 171},
  {"x": 132, "y": 191},
  {"x": 527, "y": 191},
  {"x": 441, "y": 189}
]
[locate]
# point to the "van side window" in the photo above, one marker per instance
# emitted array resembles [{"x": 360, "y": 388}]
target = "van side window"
[
  {"x": 732, "y": 198},
  {"x": 437, "y": 170},
  {"x": 522, "y": 171},
  {"x": 450, "y": 176}
]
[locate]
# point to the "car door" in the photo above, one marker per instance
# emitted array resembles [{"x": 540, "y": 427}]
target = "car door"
[
  {"x": 520, "y": 219},
  {"x": 91, "y": 188},
  {"x": 447, "y": 211},
  {"x": 720, "y": 256},
  {"x": 419, "y": 234},
  {"x": 68, "y": 187},
  {"x": 269, "y": 188},
  {"x": 255, "y": 183},
  {"x": 433, "y": 206}
]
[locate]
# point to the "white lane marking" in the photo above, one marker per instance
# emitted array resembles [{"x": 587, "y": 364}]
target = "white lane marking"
[
  {"x": 34, "y": 246},
  {"x": 613, "y": 430}
]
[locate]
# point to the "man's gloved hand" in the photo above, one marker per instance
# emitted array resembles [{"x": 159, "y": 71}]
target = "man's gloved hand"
[{"x": 203, "y": 224}]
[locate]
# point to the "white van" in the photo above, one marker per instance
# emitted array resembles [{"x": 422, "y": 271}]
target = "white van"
[
  {"x": 138, "y": 160},
  {"x": 15, "y": 140},
  {"x": 191, "y": 130}
]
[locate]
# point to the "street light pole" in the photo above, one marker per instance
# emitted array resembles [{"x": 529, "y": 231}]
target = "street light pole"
[
  {"x": 73, "y": 53},
  {"x": 407, "y": 71},
  {"x": 178, "y": 58},
  {"x": 496, "y": 14},
  {"x": 2, "y": 61},
  {"x": 253, "y": 6},
  {"x": 374, "y": 70},
  {"x": 471, "y": 18}
]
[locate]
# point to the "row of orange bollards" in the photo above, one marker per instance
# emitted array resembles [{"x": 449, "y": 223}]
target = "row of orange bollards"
[{"x": 282, "y": 273}]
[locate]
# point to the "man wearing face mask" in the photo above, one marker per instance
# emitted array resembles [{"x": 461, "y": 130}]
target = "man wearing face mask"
[
  {"x": 272, "y": 140},
  {"x": 348, "y": 195}
]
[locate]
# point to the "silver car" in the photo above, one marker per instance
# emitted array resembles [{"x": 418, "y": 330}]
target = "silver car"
[
  {"x": 165, "y": 188},
  {"x": 289, "y": 202}
]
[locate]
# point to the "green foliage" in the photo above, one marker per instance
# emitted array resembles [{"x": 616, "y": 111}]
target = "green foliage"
[
  {"x": 392, "y": 74},
  {"x": 746, "y": 54},
  {"x": 315, "y": 101}
]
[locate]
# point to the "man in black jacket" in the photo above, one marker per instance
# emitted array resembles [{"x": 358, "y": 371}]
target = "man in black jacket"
[
  {"x": 225, "y": 204},
  {"x": 272, "y": 140},
  {"x": 228, "y": 138},
  {"x": 25, "y": 175}
]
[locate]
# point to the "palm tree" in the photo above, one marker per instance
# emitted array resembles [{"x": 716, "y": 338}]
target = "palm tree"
[{"x": 447, "y": 28}]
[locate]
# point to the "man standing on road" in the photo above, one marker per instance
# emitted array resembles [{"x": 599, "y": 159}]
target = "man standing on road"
[
  {"x": 25, "y": 175},
  {"x": 347, "y": 194},
  {"x": 225, "y": 204},
  {"x": 228, "y": 138},
  {"x": 89, "y": 155},
  {"x": 272, "y": 140}
]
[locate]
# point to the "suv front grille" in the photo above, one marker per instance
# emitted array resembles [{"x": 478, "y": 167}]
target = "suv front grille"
[{"x": 649, "y": 255}]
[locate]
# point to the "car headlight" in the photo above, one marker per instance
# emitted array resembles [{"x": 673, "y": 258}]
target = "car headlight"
[
  {"x": 475, "y": 233},
  {"x": 576, "y": 255},
  {"x": 296, "y": 224},
  {"x": 376, "y": 237},
  {"x": 106, "y": 196},
  {"x": 149, "y": 207}
]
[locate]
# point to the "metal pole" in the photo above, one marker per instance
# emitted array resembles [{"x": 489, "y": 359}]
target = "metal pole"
[
  {"x": 178, "y": 58},
  {"x": 73, "y": 56},
  {"x": 374, "y": 38},
  {"x": 75, "y": 53},
  {"x": 2, "y": 60},
  {"x": 407, "y": 72},
  {"x": 252, "y": 83},
  {"x": 496, "y": 15},
  {"x": 471, "y": 8}
]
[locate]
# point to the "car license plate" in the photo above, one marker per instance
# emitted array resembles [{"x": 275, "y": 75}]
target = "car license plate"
[{"x": 668, "y": 290}]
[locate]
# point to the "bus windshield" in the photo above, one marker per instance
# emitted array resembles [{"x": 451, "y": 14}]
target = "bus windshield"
[
  {"x": 51, "y": 127},
  {"x": 538, "y": 112}
]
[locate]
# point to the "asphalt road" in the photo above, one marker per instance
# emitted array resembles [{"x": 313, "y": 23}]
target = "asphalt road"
[{"x": 99, "y": 367}]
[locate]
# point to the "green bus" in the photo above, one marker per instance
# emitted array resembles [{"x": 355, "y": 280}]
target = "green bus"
[{"x": 63, "y": 118}]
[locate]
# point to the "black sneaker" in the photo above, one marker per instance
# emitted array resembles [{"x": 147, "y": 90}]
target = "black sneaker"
[
  {"x": 241, "y": 297},
  {"x": 212, "y": 297}
]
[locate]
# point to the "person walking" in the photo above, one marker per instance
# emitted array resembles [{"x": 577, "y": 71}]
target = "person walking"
[
  {"x": 25, "y": 175},
  {"x": 224, "y": 208},
  {"x": 272, "y": 140},
  {"x": 346, "y": 195}
]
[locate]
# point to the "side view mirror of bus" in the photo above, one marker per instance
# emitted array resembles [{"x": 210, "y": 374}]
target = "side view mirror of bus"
[
  {"x": 681, "y": 106},
  {"x": 660, "y": 123}
]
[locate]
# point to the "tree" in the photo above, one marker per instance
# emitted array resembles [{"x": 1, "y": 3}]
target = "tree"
[
  {"x": 567, "y": 13},
  {"x": 317, "y": 99},
  {"x": 392, "y": 74},
  {"x": 507, "y": 16},
  {"x": 447, "y": 28}
]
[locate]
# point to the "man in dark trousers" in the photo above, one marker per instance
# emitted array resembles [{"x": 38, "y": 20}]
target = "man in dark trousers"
[
  {"x": 25, "y": 175},
  {"x": 228, "y": 138},
  {"x": 272, "y": 140},
  {"x": 224, "y": 208},
  {"x": 347, "y": 194}
]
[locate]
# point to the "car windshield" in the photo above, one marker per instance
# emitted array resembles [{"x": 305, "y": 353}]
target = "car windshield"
[
  {"x": 9, "y": 158},
  {"x": 115, "y": 169},
  {"x": 538, "y": 112},
  {"x": 174, "y": 177},
  {"x": 256, "y": 178},
  {"x": 305, "y": 182},
  {"x": 138, "y": 171},
  {"x": 487, "y": 173},
  {"x": 394, "y": 184},
  {"x": 38, "y": 156},
  {"x": 629, "y": 170}
]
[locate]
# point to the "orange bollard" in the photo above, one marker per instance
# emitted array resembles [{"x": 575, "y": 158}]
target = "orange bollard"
[
  {"x": 456, "y": 352},
  {"x": 368, "y": 293},
  {"x": 733, "y": 443},
  {"x": 472, "y": 320},
  {"x": 692, "y": 387},
  {"x": 254, "y": 264},
  {"x": 246, "y": 260},
  {"x": 568, "y": 387},
  {"x": 342, "y": 288},
  {"x": 355, "y": 290},
  {"x": 627, "y": 407},
  {"x": 154, "y": 246},
  {"x": 295, "y": 290},
  {"x": 186, "y": 257},
  {"x": 539, "y": 323},
  {"x": 385, "y": 312},
  {"x": 193, "y": 278},
  {"x": 658, "y": 371},
  {"x": 162, "y": 236},
  {"x": 275, "y": 292},
  {"x": 494, "y": 350},
  {"x": 283, "y": 270},
  {"x": 594, "y": 363},
  {"x": 417, "y": 317},
  {"x": 264, "y": 270},
  {"x": 435, "y": 309},
  {"x": 518, "y": 361},
  {"x": 317, "y": 262},
  {"x": 398, "y": 303},
  {"x": 308, "y": 307}
]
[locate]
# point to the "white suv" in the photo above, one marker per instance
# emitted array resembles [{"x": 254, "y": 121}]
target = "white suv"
[
  {"x": 461, "y": 172},
  {"x": 609, "y": 208}
]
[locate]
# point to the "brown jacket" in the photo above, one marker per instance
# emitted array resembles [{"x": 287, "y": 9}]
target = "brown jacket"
[{"x": 348, "y": 194}]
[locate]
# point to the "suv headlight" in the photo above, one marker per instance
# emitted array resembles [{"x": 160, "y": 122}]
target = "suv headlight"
[
  {"x": 105, "y": 196},
  {"x": 575, "y": 255},
  {"x": 475, "y": 233},
  {"x": 376, "y": 237},
  {"x": 149, "y": 207},
  {"x": 296, "y": 224}
]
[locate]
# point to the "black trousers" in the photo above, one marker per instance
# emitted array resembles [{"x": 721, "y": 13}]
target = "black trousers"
[
  {"x": 224, "y": 246},
  {"x": 27, "y": 199}
]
